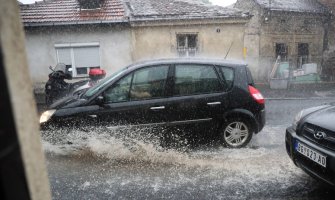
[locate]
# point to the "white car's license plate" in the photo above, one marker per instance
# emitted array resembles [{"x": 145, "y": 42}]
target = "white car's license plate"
[{"x": 311, "y": 154}]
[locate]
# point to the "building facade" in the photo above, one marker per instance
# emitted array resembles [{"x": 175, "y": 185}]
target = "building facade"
[
  {"x": 331, "y": 5},
  {"x": 185, "y": 30},
  {"x": 111, "y": 34},
  {"x": 328, "y": 64},
  {"x": 284, "y": 30}
]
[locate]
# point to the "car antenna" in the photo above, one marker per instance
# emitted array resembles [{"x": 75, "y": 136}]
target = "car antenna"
[{"x": 229, "y": 49}]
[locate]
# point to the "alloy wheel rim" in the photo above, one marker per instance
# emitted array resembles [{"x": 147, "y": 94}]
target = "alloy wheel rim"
[{"x": 236, "y": 133}]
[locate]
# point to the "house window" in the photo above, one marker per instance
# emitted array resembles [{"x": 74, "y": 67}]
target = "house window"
[
  {"x": 90, "y": 4},
  {"x": 80, "y": 57},
  {"x": 281, "y": 52},
  {"x": 187, "y": 44},
  {"x": 303, "y": 54}
]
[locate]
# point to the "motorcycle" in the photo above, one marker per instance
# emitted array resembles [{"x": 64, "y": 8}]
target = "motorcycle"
[{"x": 57, "y": 88}]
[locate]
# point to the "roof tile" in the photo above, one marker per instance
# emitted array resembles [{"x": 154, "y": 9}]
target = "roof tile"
[
  {"x": 310, "y": 6},
  {"x": 53, "y": 11},
  {"x": 178, "y": 9},
  {"x": 69, "y": 11}
]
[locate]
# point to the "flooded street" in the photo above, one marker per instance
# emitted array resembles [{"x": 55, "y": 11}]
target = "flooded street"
[
  {"x": 132, "y": 165},
  {"x": 137, "y": 99}
]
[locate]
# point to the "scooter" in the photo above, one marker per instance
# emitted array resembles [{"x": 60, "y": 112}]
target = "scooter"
[{"x": 57, "y": 88}]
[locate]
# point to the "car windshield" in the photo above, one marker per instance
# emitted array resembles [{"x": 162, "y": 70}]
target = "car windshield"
[{"x": 90, "y": 92}]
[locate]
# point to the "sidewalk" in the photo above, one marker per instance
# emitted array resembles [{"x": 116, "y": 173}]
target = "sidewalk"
[{"x": 299, "y": 91}]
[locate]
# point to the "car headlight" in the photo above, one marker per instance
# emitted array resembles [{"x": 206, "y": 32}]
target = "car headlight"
[
  {"x": 46, "y": 115},
  {"x": 297, "y": 118}
]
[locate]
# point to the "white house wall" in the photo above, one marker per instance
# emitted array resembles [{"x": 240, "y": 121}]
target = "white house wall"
[{"x": 114, "y": 41}]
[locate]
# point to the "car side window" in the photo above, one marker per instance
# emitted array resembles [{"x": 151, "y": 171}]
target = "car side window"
[
  {"x": 227, "y": 75},
  {"x": 195, "y": 79},
  {"x": 149, "y": 83},
  {"x": 119, "y": 92}
]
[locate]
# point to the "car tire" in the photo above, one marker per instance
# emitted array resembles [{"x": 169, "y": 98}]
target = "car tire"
[{"x": 236, "y": 133}]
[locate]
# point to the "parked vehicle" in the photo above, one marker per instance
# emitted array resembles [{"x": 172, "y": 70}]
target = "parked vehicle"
[
  {"x": 171, "y": 92},
  {"x": 310, "y": 142},
  {"x": 57, "y": 88}
]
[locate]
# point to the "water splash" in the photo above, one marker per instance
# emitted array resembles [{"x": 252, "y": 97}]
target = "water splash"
[
  {"x": 115, "y": 162},
  {"x": 144, "y": 146}
]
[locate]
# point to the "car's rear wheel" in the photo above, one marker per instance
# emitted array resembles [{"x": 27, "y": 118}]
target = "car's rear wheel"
[{"x": 236, "y": 133}]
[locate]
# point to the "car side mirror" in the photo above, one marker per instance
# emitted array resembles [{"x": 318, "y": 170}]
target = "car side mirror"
[{"x": 100, "y": 100}]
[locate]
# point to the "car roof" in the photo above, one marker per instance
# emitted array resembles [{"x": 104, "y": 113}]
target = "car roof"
[{"x": 227, "y": 63}]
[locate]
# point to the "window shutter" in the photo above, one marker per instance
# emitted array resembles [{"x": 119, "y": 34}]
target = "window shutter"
[
  {"x": 86, "y": 57},
  {"x": 64, "y": 56}
]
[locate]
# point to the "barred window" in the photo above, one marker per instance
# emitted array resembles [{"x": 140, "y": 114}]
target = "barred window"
[{"x": 187, "y": 45}]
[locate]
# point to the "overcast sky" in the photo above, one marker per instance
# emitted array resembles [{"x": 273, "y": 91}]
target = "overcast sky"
[
  {"x": 216, "y": 2},
  {"x": 223, "y": 2}
]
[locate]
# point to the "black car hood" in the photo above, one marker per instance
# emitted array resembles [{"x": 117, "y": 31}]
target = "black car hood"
[
  {"x": 324, "y": 118},
  {"x": 67, "y": 102}
]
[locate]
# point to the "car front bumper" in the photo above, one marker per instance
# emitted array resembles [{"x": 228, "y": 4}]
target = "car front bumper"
[{"x": 324, "y": 174}]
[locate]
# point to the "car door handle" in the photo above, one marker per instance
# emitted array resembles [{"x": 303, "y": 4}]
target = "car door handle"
[
  {"x": 214, "y": 103},
  {"x": 157, "y": 108}
]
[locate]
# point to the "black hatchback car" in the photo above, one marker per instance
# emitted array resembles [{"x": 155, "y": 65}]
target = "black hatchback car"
[
  {"x": 170, "y": 92},
  {"x": 310, "y": 142}
]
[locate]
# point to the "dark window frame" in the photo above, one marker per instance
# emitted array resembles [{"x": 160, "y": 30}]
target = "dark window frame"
[
  {"x": 302, "y": 54},
  {"x": 281, "y": 49}
]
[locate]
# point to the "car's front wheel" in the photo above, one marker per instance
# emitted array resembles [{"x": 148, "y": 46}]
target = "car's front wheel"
[{"x": 236, "y": 133}]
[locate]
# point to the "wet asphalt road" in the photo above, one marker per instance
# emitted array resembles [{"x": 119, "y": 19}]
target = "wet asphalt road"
[{"x": 98, "y": 165}]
